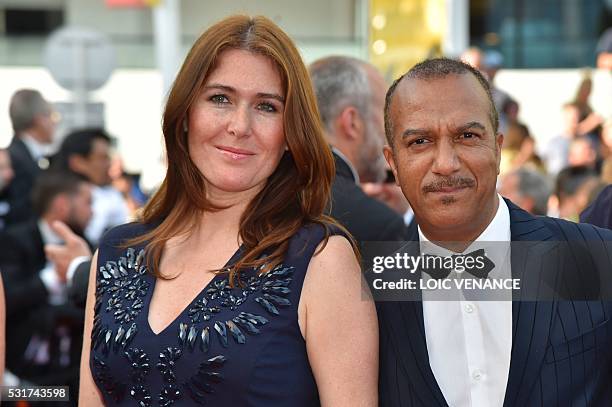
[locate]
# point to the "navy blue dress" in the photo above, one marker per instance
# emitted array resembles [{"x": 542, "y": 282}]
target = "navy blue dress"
[{"x": 237, "y": 346}]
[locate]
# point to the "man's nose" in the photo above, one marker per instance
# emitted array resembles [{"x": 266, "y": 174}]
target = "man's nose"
[{"x": 446, "y": 161}]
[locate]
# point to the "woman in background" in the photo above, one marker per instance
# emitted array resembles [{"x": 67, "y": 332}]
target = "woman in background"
[{"x": 234, "y": 288}]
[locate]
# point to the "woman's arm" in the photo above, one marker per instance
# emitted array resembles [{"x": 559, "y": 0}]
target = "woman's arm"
[
  {"x": 338, "y": 321},
  {"x": 88, "y": 391}
]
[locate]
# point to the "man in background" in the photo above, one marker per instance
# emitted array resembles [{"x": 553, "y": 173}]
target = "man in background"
[
  {"x": 88, "y": 153},
  {"x": 6, "y": 176},
  {"x": 33, "y": 123},
  {"x": 528, "y": 189},
  {"x": 44, "y": 339},
  {"x": 350, "y": 95}
]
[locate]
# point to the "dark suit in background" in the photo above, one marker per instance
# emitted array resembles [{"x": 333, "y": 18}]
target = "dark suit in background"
[
  {"x": 366, "y": 218},
  {"x": 30, "y": 315},
  {"x": 561, "y": 350},
  {"x": 599, "y": 213},
  {"x": 19, "y": 191}
]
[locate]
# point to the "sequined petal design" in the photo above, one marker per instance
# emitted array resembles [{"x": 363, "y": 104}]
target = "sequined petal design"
[
  {"x": 169, "y": 395},
  {"x": 111, "y": 387},
  {"x": 139, "y": 362},
  {"x": 207, "y": 375},
  {"x": 167, "y": 360}
]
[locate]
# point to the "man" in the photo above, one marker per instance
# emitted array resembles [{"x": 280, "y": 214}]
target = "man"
[
  {"x": 556, "y": 152},
  {"x": 350, "y": 95},
  {"x": 43, "y": 342},
  {"x": 34, "y": 124},
  {"x": 599, "y": 212},
  {"x": 528, "y": 189},
  {"x": 444, "y": 148},
  {"x": 6, "y": 176},
  {"x": 573, "y": 187},
  {"x": 87, "y": 153}
]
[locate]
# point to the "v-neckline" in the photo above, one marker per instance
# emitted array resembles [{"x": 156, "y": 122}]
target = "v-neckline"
[{"x": 174, "y": 321}]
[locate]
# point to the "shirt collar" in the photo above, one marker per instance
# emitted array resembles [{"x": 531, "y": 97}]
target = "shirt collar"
[
  {"x": 36, "y": 149},
  {"x": 348, "y": 163},
  {"x": 498, "y": 230}
]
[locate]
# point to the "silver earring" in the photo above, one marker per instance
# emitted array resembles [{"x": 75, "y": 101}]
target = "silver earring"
[{"x": 185, "y": 125}]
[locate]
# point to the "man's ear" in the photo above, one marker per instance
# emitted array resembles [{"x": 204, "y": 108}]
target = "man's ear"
[
  {"x": 388, "y": 153},
  {"x": 77, "y": 163},
  {"x": 60, "y": 206},
  {"x": 499, "y": 141},
  {"x": 351, "y": 123}
]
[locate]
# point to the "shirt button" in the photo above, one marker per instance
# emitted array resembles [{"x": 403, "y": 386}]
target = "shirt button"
[
  {"x": 477, "y": 374},
  {"x": 469, "y": 308}
]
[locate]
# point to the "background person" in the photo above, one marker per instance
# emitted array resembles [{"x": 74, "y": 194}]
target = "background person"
[
  {"x": 33, "y": 123},
  {"x": 350, "y": 97},
  {"x": 6, "y": 176},
  {"x": 248, "y": 180},
  {"x": 45, "y": 330},
  {"x": 87, "y": 153}
]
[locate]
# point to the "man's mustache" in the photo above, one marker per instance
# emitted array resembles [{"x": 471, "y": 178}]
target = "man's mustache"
[{"x": 450, "y": 182}]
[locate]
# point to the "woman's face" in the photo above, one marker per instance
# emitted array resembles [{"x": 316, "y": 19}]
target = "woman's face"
[{"x": 236, "y": 131}]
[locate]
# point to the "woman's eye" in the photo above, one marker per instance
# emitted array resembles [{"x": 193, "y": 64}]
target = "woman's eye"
[
  {"x": 267, "y": 107},
  {"x": 219, "y": 99}
]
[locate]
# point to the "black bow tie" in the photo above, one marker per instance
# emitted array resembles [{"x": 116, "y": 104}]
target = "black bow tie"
[{"x": 439, "y": 267}]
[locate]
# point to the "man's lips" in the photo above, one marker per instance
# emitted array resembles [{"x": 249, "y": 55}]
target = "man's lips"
[{"x": 448, "y": 190}]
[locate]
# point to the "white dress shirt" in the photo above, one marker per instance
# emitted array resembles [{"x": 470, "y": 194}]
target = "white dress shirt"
[
  {"x": 109, "y": 209},
  {"x": 469, "y": 342}
]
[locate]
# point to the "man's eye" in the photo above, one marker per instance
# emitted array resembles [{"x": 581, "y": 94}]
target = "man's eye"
[
  {"x": 267, "y": 107},
  {"x": 469, "y": 135},
  {"x": 219, "y": 99},
  {"x": 419, "y": 141}
]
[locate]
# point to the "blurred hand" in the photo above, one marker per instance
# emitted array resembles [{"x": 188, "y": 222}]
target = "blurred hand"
[{"x": 61, "y": 255}]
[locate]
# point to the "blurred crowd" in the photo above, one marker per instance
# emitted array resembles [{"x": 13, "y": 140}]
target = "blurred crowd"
[{"x": 54, "y": 208}]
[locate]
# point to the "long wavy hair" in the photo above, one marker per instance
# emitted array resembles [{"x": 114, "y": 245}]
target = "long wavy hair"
[{"x": 298, "y": 191}]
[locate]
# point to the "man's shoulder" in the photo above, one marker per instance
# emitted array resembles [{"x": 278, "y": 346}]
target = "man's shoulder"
[{"x": 566, "y": 230}]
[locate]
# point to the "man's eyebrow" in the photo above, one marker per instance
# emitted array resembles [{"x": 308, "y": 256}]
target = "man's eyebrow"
[
  {"x": 471, "y": 125},
  {"x": 260, "y": 95}
]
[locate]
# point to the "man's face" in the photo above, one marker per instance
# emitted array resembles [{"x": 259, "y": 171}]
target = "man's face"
[
  {"x": 97, "y": 164},
  {"x": 6, "y": 170},
  {"x": 371, "y": 165},
  {"x": 510, "y": 188},
  {"x": 80, "y": 211},
  {"x": 445, "y": 154}
]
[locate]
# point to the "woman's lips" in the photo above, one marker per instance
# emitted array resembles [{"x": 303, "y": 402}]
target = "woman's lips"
[{"x": 235, "y": 153}]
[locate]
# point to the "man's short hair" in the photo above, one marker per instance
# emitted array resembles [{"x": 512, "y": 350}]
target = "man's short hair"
[
  {"x": 24, "y": 106},
  {"x": 338, "y": 82},
  {"x": 49, "y": 185},
  {"x": 536, "y": 186},
  {"x": 570, "y": 179},
  {"x": 438, "y": 68},
  {"x": 79, "y": 143}
]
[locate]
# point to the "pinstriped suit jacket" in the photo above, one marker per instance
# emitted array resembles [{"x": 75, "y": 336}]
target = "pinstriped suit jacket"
[{"x": 561, "y": 349}]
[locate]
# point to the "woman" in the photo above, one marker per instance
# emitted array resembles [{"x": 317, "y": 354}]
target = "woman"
[{"x": 282, "y": 322}]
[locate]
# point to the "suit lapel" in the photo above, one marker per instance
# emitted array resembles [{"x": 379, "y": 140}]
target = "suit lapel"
[
  {"x": 404, "y": 320},
  {"x": 531, "y": 320}
]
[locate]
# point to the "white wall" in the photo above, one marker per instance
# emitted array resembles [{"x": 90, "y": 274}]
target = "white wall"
[
  {"x": 542, "y": 93},
  {"x": 312, "y": 19}
]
